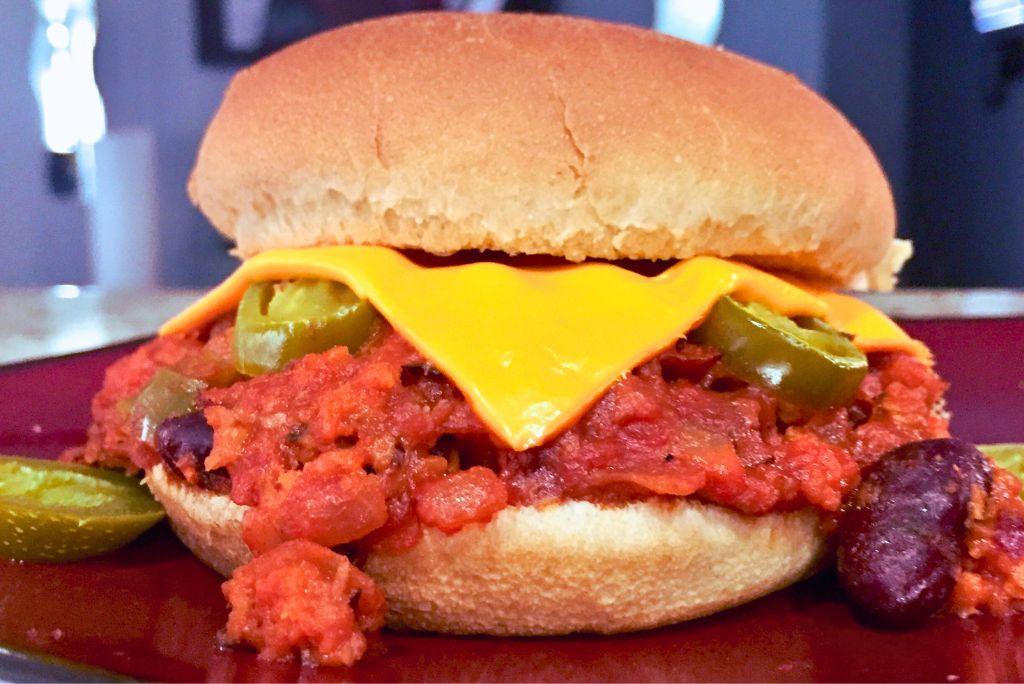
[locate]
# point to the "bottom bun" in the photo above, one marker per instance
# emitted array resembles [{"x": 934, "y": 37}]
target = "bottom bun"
[{"x": 570, "y": 567}]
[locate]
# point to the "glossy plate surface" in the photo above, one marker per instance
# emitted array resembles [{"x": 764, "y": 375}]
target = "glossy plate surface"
[{"x": 151, "y": 611}]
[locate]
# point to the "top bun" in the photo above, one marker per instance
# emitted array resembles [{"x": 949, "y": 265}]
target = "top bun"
[{"x": 542, "y": 135}]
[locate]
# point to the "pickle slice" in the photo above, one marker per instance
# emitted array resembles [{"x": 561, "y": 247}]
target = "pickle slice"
[
  {"x": 56, "y": 512},
  {"x": 807, "y": 362},
  {"x": 279, "y": 322},
  {"x": 1007, "y": 456}
]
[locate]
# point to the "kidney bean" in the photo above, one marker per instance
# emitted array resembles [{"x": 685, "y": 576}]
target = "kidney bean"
[
  {"x": 183, "y": 443},
  {"x": 688, "y": 362},
  {"x": 1010, "y": 535},
  {"x": 901, "y": 538}
]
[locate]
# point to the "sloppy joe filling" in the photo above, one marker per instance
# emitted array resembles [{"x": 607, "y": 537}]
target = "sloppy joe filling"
[
  {"x": 992, "y": 575},
  {"x": 302, "y": 594},
  {"x": 365, "y": 450}
]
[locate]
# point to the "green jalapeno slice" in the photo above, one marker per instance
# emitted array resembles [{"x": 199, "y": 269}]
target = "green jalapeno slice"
[
  {"x": 279, "y": 322},
  {"x": 804, "y": 360},
  {"x": 52, "y": 512}
]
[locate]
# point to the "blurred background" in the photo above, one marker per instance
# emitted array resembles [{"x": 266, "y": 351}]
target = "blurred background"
[{"x": 104, "y": 103}]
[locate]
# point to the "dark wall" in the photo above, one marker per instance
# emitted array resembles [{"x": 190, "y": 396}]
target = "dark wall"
[
  {"x": 638, "y": 12},
  {"x": 789, "y": 34},
  {"x": 137, "y": 40},
  {"x": 867, "y": 77},
  {"x": 966, "y": 210}
]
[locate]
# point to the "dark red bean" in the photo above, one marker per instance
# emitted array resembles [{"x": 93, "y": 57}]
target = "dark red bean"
[
  {"x": 415, "y": 372},
  {"x": 183, "y": 443},
  {"x": 901, "y": 537},
  {"x": 859, "y": 412},
  {"x": 688, "y": 362},
  {"x": 1010, "y": 535}
]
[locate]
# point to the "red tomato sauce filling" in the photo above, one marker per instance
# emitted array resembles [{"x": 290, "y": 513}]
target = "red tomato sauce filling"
[
  {"x": 992, "y": 573},
  {"x": 301, "y": 593},
  {"x": 364, "y": 450}
]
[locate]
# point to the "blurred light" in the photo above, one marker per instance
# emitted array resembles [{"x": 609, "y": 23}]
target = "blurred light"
[
  {"x": 61, "y": 69},
  {"x": 994, "y": 15},
  {"x": 66, "y": 291},
  {"x": 697, "y": 21},
  {"x": 53, "y": 10},
  {"x": 59, "y": 36}
]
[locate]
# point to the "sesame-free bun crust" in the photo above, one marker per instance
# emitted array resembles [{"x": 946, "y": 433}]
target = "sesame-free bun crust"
[
  {"x": 545, "y": 135},
  {"x": 571, "y": 567}
]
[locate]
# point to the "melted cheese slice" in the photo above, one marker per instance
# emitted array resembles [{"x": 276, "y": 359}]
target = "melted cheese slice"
[{"x": 534, "y": 348}]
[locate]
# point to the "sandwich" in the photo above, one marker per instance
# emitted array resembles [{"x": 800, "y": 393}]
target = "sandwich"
[{"x": 538, "y": 329}]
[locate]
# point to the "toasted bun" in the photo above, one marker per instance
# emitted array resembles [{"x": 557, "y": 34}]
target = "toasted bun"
[
  {"x": 572, "y": 567},
  {"x": 545, "y": 135}
]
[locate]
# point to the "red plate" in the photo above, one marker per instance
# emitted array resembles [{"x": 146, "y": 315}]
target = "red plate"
[{"x": 152, "y": 611}]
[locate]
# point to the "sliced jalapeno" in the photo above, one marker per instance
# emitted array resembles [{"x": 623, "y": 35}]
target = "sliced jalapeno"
[
  {"x": 278, "y": 322},
  {"x": 804, "y": 361},
  {"x": 168, "y": 394},
  {"x": 51, "y": 511}
]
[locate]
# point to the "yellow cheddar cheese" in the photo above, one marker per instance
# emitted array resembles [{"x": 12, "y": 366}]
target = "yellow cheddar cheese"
[{"x": 532, "y": 348}]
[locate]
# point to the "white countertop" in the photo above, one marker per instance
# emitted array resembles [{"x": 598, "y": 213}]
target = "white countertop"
[{"x": 40, "y": 322}]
